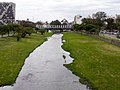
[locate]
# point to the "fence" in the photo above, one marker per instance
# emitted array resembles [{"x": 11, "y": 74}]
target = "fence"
[{"x": 114, "y": 42}]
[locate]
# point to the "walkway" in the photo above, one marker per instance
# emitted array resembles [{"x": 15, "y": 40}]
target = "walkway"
[{"x": 44, "y": 70}]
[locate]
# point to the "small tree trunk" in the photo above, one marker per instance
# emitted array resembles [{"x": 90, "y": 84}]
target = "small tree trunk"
[
  {"x": 18, "y": 37},
  {"x": 2, "y": 35},
  {"x": 8, "y": 34}
]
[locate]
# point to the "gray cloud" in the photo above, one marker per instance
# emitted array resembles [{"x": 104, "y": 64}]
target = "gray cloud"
[
  {"x": 48, "y": 10},
  {"x": 114, "y": 1}
]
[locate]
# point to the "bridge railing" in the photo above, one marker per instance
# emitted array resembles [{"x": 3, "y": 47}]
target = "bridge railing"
[{"x": 53, "y": 26}]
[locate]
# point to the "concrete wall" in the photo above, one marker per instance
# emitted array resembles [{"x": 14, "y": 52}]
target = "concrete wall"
[{"x": 114, "y": 42}]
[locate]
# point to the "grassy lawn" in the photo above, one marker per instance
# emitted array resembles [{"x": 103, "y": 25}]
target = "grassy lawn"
[
  {"x": 96, "y": 62},
  {"x": 13, "y": 54}
]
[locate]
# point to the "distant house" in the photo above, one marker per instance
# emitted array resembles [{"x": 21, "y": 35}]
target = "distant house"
[
  {"x": 64, "y": 22},
  {"x": 7, "y": 12}
]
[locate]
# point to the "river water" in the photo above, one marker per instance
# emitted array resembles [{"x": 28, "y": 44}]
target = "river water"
[{"x": 44, "y": 70}]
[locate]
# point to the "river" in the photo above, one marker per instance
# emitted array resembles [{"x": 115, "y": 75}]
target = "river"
[{"x": 44, "y": 70}]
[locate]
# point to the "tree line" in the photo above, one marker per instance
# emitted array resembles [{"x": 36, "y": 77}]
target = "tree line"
[
  {"x": 16, "y": 30},
  {"x": 20, "y": 30},
  {"x": 99, "y": 22}
]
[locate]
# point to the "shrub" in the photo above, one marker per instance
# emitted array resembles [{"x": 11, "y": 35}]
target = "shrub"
[{"x": 42, "y": 31}]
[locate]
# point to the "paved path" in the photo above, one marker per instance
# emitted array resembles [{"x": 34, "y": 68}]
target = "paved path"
[{"x": 44, "y": 70}]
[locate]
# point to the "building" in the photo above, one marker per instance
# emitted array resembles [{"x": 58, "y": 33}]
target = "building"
[
  {"x": 64, "y": 22},
  {"x": 77, "y": 19},
  {"x": 7, "y": 12}
]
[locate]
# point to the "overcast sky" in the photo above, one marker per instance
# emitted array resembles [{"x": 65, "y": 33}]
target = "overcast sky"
[{"x": 48, "y": 10}]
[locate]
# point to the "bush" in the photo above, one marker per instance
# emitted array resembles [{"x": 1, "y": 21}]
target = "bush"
[
  {"x": 42, "y": 31},
  {"x": 2, "y": 30},
  {"x": 20, "y": 31},
  {"x": 91, "y": 28},
  {"x": 25, "y": 31},
  {"x": 76, "y": 27}
]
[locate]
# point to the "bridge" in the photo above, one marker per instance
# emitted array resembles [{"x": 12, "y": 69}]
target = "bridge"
[{"x": 54, "y": 27}]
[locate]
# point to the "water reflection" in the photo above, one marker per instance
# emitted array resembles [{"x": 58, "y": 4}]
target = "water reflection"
[{"x": 44, "y": 70}]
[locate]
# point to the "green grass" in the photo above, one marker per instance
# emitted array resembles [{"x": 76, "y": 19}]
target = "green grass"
[
  {"x": 13, "y": 54},
  {"x": 96, "y": 62}
]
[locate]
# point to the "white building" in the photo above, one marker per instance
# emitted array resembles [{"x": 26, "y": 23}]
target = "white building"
[
  {"x": 7, "y": 12},
  {"x": 77, "y": 19},
  {"x": 64, "y": 21}
]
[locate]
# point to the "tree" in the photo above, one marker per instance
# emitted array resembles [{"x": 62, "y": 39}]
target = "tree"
[
  {"x": 2, "y": 30},
  {"x": 100, "y": 18},
  {"x": 89, "y": 21},
  {"x": 27, "y": 23},
  {"x": 36, "y": 29},
  {"x": 17, "y": 29},
  {"x": 9, "y": 28},
  {"x": 39, "y": 22},
  {"x": 42, "y": 31},
  {"x": 76, "y": 27},
  {"x": 56, "y": 22},
  {"x": 118, "y": 23},
  {"x": 118, "y": 26},
  {"x": 29, "y": 30},
  {"x": 100, "y": 15},
  {"x": 90, "y": 28},
  {"x": 110, "y": 23},
  {"x": 25, "y": 31}
]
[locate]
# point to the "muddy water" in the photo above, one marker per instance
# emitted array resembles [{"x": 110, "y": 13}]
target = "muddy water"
[{"x": 44, "y": 70}]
